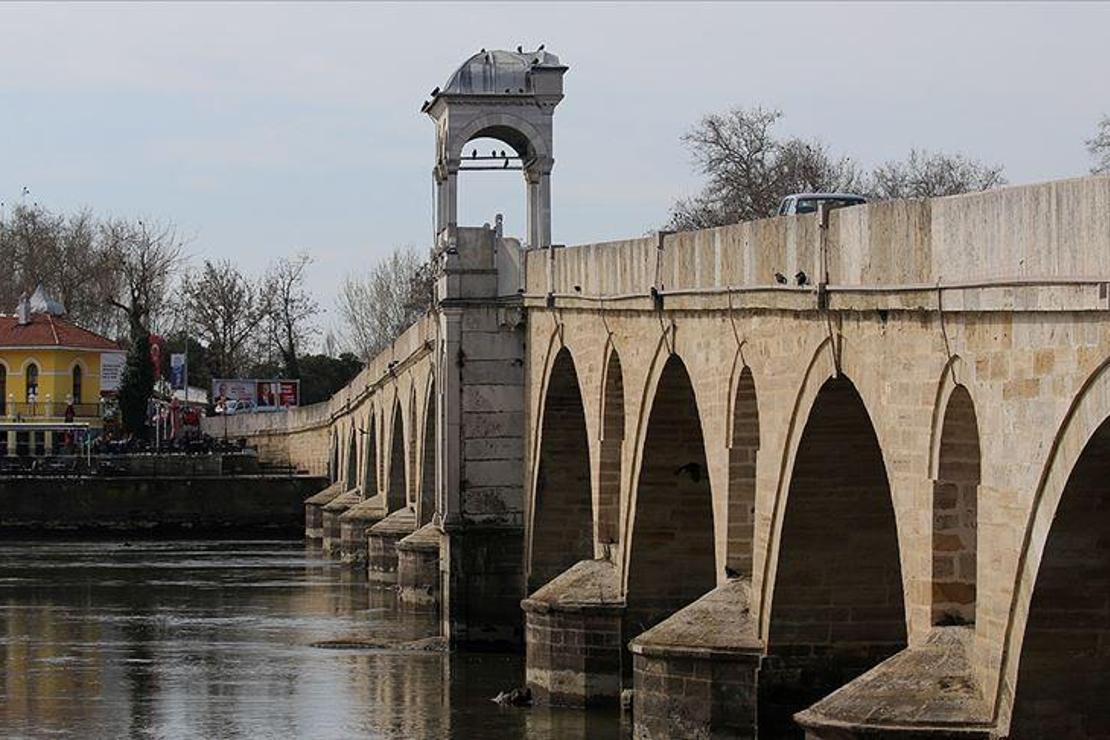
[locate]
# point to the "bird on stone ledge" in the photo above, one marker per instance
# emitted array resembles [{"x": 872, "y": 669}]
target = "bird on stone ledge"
[{"x": 780, "y": 278}]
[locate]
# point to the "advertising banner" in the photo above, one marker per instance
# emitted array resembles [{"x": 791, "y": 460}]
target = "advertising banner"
[
  {"x": 237, "y": 396},
  {"x": 177, "y": 371},
  {"x": 111, "y": 370},
  {"x": 289, "y": 393}
]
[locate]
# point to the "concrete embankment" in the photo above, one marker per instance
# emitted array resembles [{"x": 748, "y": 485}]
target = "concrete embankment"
[{"x": 174, "y": 505}]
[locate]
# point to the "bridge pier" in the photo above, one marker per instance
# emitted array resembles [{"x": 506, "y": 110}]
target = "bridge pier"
[
  {"x": 354, "y": 524},
  {"x": 332, "y": 511},
  {"x": 483, "y": 578},
  {"x": 695, "y": 674},
  {"x": 418, "y": 568},
  {"x": 573, "y": 636},
  {"x": 314, "y": 512},
  {"x": 925, "y": 691},
  {"x": 382, "y": 544}
]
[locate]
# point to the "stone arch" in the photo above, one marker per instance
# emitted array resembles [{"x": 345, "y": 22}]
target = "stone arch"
[
  {"x": 516, "y": 132},
  {"x": 562, "y": 514},
  {"x": 1064, "y": 668},
  {"x": 395, "y": 495},
  {"x": 426, "y": 505},
  {"x": 370, "y": 458},
  {"x": 350, "y": 480},
  {"x": 671, "y": 559},
  {"x": 956, "y": 478},
  {"x": 1083, "y": 424},
  {"x": 837, "y": 606},
  {"x": 743, "y": 448},
  {"x": 611, "y": 452}
]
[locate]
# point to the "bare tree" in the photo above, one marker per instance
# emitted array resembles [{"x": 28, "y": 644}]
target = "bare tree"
[
  {"x": 222, "y": 307},
  {"x": 65, "y": 255},
  {"x": 289, "y": 309},
  {"x": 147, "y": 257},
  {"x": 377, "y": 307},
  {"x": 749, "y": 170},
  {"x": 931, "y": 174},
  {"x": 1099, "y": 148}
]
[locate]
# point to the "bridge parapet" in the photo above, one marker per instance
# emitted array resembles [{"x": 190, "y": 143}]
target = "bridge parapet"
[{"x": 1035, "y": 247}]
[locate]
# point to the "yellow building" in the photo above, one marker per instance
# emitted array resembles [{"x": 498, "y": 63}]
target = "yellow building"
[{"x": 51, "y": 368}]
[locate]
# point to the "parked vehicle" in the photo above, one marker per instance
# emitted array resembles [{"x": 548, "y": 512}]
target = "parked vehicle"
[{"x": 808, "y": 202}]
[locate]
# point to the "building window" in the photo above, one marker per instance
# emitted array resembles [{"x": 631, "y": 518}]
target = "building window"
[
  {"x": 4, "y": 397},
  {"x": 76, "y": 384},
  {"x": 32, "y": 382}
]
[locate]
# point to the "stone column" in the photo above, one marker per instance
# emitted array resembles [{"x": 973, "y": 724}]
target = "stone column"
[
  {"x": 538, "y": 179},
  {"x": 446, "y": 176}
]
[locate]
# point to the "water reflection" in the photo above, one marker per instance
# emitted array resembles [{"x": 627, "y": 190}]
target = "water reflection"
[{"x": 214, "y": 639}]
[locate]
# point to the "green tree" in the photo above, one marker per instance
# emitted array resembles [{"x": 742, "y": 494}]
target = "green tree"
[
  {"x": 322, "y": 376},
  {"x": 136, "y": 387}
]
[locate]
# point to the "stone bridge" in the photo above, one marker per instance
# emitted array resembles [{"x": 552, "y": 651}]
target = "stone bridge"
[{"x": 844, "y": 471}]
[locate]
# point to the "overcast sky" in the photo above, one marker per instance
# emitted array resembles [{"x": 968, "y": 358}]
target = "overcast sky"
[{"x": 266, "y": 129}]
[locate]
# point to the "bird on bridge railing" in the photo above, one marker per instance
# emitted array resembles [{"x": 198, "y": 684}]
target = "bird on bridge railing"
[
  {"x": 780, "y": 278},
  {"x": 801, "y": 278}
]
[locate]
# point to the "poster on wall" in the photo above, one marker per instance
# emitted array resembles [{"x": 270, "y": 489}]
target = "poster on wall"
[
  {"x": 230, "y": 395},
  {"x": 111, "y": 370},
  {"x": 289, "y": 393},
  {"x": 237, "y": 396}
]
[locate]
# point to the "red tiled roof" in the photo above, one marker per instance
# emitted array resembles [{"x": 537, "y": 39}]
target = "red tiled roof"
[{"x": 46, "y": 330}]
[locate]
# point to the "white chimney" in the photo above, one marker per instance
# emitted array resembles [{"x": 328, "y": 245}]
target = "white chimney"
[{"x": 23, "y": 310}]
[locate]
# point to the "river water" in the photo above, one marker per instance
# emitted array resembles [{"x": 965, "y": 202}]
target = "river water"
[{"x": 206, "y": 639}]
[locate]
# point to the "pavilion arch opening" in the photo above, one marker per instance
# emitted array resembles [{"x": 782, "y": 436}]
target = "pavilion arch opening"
[
  {"x": 837, "y": 607},
  {"x": 396, "y": 495},
  {"x": 562, "y": 522},
  {"x": 370, "y": 459},
  {"x": 955, "y": 513},
  {"x": 427, "y": 504},
  {"x": 742, "y": 451},
  {"x": 612, "y": 444},
  {"x": 493, "y": 183},
  {"x": 1064, "y": 671},
  {"x": 351, "y": 479},
  {"x": 672, "y": 559}
]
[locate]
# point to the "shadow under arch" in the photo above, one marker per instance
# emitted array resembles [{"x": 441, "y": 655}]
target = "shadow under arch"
[
  {"x": 562, "y": 514},
  {"x": 395, "y": 495},
  {"x": 333, "y": 458},
  {"x": 610, "y": 466},
  {"x": 671, "y": 560},
  {"x": 426, "y": 504},
  {"x": 370, "y": 458},
  {"x": 956, "y": 471},
  {"x": 1078, "y": 448},
  {"x": 837, "y": 606},
  {"x": 743, "y": 448},
  {"x": 350, "y": 480}
]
